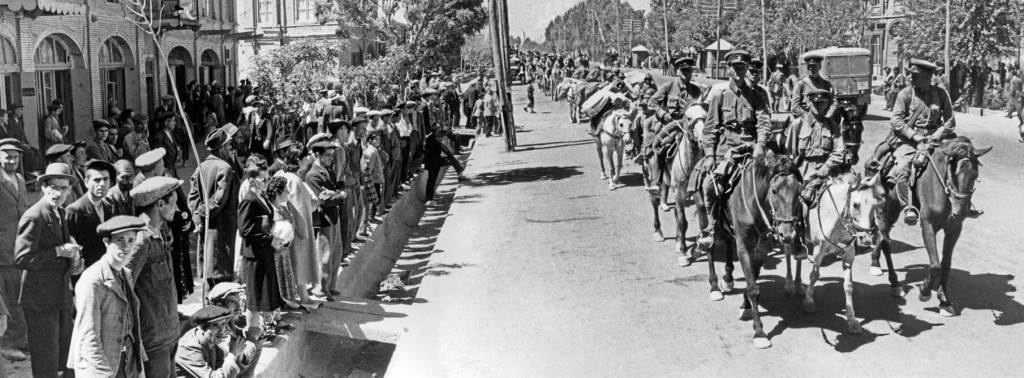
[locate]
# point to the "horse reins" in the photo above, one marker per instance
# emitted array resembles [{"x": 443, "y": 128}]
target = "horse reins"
[
  {"x": 844, "y": 214},
  {"x": 946, "y": 180},
  {"x": 773, "y": 225}
]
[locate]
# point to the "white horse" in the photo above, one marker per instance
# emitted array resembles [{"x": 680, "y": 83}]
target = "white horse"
[
  {"x": 612, "y": 138},
  {"x": 842, "y": 220}
]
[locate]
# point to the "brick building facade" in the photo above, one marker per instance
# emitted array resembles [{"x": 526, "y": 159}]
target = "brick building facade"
[{"x": 87, "y": 53}]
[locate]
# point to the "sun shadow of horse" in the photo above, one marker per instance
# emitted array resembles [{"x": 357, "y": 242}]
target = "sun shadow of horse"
[
  {"x": 632, "y": 179},
  {"x": 521, "y": 175},
  {"x": 872, "y": 303},
  {"x": 981, "y": 292}
]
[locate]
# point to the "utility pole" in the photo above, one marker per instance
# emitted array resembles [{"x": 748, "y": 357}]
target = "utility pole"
[
  {"x": 664, "y": 4},
  {"x": 618, "y": 19},
  {"x": 718, "y": 42},
  {"x": 947, "y": 70},
  {"x": 764, "y": 44}
]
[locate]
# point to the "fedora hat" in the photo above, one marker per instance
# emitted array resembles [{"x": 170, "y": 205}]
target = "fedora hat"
[{"x": 58, "y": 170}]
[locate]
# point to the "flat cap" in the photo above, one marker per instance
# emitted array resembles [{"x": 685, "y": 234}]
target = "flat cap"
[
  {"x": 922, "y": 65},
  {"x": 360, "y": 109},
  {"x": 323, "y": 144},
  {"x": 220, "y": 292},
  {"x": 153, "y": 189},
  {"x": 53, "y": 107},
  {"x": 10, "y": 144},
  {"x": 411, "y": 103},
  {"x": 250, "y": 99},
  {"x": 148, "y": 160},
  {"x": 58, "y": 149},
  {"x": 101, "y": 165},
  {"x": 373, "y": 113},
  {"x": 387, "y": 112},
  {"x": 318, "y": 138},
  {"x": 99, "y": 124},
  {"x": 284, "y": 143},
  {"x": 217, "y": 138},
  {"x": 166, "y": 97},
  {"x": 211, "y": 314},
  {"x": 119, "y": 224},
  {"x": 357, "y": 120},
  {"x": 737, "y": 56},
  {"x": 429, "y": 91}
]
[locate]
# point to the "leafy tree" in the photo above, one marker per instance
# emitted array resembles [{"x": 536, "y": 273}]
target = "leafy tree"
[
  {"x": 793, "y": 27},
  {"x": 291, "y": 68},
  {"x": 979, "y": 29}
]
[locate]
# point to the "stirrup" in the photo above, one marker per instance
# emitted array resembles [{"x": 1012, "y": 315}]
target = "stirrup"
[
  {"x": 975, "y": 213},
  {"x": 706, "y": 241},
  {"x": 911, "y": 215}
]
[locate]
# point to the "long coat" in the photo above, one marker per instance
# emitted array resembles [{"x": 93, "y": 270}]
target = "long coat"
[
  {"x": 153, "y": 278},
  {"x": 46, "y": 282},
  {"x": 14, "y": 201},
  {"x": 105, "y": 313},
  {"x": 82, "y": 221},
  {"x": 222, "y": 187}
]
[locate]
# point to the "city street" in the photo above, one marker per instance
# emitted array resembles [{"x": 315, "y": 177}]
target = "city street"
[{"x": 540, "y": 270}]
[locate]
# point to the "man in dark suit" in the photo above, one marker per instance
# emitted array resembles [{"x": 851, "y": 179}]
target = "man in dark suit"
[
  {"x": 221, "y": 187},
  {"x": 14, "y": 201},
  {"x": 326, "y": 216},
  {"x": 47, "y": 255},
  {"x": 118, "y": 197},
  {"x": 98, "y": 148},
  {"x": 91, "y": 209},
  {"x": 164, "y": 137}
]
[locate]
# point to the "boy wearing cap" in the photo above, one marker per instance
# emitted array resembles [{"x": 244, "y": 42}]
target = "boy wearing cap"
[
  {"x": 200, "y": 355},
  {"x": 151, "y": 270},
  {"x": 14, "y": 199},
  {"x": 48, "y": 257},
  {"x": 107, "y": 338},
  {"x": 91, "y": 209}
]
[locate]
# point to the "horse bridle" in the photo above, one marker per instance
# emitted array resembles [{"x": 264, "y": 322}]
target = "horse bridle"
[
  {"x": 776, "y": 221},
  {"x": 844, "y": 219},
  {"x": 946, "y": 180}
]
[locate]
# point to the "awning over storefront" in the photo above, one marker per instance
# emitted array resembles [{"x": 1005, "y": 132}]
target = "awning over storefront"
[{"x": 62, "y": 7}]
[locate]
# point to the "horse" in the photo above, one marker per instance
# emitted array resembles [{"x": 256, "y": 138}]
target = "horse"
[
  {"x": 842, "y": 220},
  {"x": 764, "y": 208},
  {"x": 944, "y": 190},
  {"x": 688, "y": 153},
  {"x": 613, "y": 135}
]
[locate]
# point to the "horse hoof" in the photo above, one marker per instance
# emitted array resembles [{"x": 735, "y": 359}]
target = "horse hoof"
[
  {"x": 746, "y": 314},
  {"x": 924, "y": 295},
  {"x": 809, "y": 306},
  {"x": 875, "y": 271},
  {"x": 727, "y": 286},
  {"x": 790, "y": 289},
  {"x": 716, "y": 296},
  {"x": 947, "y": 311},
  {"x": 665, "y": 208},
  {"x": 854, "y": 328},
  {"x": 604, "y": 176},
  {"x": 658, "y": 237},
  {"x": 762, "y": 343},
  {"x": 611, "y": 187},
  {"x": 683, "y": 261}
]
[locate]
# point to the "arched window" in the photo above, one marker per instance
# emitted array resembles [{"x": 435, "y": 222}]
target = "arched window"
[
  {"x": 110, "y": 54},
  {"x": 52, "y": 54},
  {"x": 9, "y": 73},
  {"x": 8, "y": 55},
  {"x": 114, "y": 54}
]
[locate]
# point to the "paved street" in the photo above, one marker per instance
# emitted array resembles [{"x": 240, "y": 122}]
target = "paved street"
[{"x": 541, "y": 271}]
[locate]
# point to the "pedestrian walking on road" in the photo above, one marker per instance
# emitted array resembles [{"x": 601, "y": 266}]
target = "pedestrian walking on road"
[{"x": 529, "y": 98}]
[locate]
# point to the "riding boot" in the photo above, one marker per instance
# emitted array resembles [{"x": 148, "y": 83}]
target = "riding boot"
[
  {"x": 811, "y": 189},
  {"x": 905, "y": 196},
  {"x": 707, "y": 238}
]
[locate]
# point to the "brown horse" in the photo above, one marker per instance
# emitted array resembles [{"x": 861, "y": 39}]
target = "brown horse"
[
  {"x": 764, "y": 210},
  {"x": 944, "y": 190}
]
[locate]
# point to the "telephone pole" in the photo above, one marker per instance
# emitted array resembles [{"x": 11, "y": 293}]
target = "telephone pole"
[{"x": 664, "y": 4}]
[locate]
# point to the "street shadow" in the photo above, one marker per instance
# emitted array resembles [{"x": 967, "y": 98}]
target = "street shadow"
[
  {"x": 987, "y": 292},
  {"x": 521, "y": 175},
  {"x": 872, "y": 303},
  {"x": 874, "y": 117},
  {"x": 468, "y": 198},
  {"x": 548, "y": 146},
  {"x": 632, "y": 179},
  {"x": 562, "y": 220}
]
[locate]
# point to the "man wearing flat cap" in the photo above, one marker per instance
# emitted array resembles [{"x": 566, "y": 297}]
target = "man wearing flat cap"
[
  {"x": 218, "y": 178},
  {"x": 737, "y": 117},
  {"x": 200, "y": 354},
  {"x": 164, "y": 137},
  {"x": 91, "y": 209},
  {"x": 48, "y": 257},
  {"x": 322, "y": 179},
  {"x": 681, "y": 90},
  {"x": 14, "y": 201},
  {"x": 813, "y": 81},
  {"x": 156, "y": 202},
  {"x": 107, "y": 338}
]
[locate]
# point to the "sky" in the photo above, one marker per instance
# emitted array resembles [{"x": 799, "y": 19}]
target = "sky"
[{"x": 532, "y": 16}]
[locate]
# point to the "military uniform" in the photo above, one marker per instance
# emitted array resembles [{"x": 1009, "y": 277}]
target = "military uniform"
[
  {"x": 737, "y": 117},
  {"x": 808, "y": 84},
  {"x": 820, "y": 146},
  {"x": 679, "y": 93}
]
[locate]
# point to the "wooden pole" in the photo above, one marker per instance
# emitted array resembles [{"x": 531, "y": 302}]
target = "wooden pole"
[
  {"x": 764, "y": 45},
  {"x": 618, "y": 28},
  {"x": 664, "y": 4},
  {"x": 947, "y": 36},
  {"x": 718, "y": 42}
]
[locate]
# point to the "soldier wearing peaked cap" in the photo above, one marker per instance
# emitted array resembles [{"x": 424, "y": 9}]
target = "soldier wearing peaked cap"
[
  {"x": 680, "y": 91},
  {"x": 922, "y": 115},
  {"x": 813, "y": 81},
  {"x": 820, "y": 146},
  {"x": 737, "y": 117}
]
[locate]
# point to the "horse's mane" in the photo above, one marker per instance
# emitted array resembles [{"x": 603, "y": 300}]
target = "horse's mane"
[
  {"x": 959, "y": 147},
  {"x": 771, "y": 164}
]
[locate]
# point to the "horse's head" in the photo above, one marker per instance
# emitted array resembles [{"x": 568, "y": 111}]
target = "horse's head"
[
  {"x": 963, "y": 160},
  {"x": 866, "y": 197},
  {"x": 694, "y": 116},
  {"x": 784, "y": 195}
]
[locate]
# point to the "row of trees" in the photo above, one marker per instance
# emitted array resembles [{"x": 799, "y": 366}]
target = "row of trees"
[
  {"x": 418, "y": 36},
  {"x": 982, "y": 29}
]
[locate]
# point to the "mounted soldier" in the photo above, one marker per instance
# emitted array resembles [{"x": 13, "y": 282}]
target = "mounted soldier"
[
  {"x": 681, "y": 90},
  {"x": 738, "y": 122},
  {"x": 820, "y": 149},
  {"x": 813, "y": 81},
  {"x": 922, "y": 116}
]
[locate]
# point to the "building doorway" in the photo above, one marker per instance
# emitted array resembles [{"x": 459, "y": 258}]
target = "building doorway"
[
  {"x": 115, "y": 57},
  {"x": 211, "y": 68},
  {"x": 54, "y": 63},
  {"x": 181, "y": 63}
]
